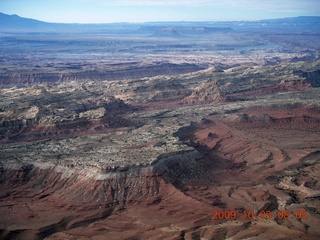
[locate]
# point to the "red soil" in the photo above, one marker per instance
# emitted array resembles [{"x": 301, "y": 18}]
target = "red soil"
[
  {"x": 258, "y": 160},
  {"x": 282, "y": 87}
]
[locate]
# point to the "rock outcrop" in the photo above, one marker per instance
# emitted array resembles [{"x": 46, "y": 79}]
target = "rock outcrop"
[
  {"x": 312, "y": 77},
  {"x": 120, "y": 73},
  {"x": 208, "y": 92}
]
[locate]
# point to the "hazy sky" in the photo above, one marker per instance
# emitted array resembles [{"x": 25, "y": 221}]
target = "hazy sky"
[{"x": 104, "y": 11}]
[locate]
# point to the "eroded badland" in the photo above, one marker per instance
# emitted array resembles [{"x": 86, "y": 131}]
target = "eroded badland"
[{"x": 142, "y": 131}]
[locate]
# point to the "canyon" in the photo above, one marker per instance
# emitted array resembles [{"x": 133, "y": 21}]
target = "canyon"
[{"x": 160, "y": 131}]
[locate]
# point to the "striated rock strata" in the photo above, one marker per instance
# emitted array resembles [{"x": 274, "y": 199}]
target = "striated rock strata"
[{"x": 239, "y": 162}]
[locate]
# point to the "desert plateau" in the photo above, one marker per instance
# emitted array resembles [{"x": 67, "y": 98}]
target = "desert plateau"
[{"x": 160, "y": 130}]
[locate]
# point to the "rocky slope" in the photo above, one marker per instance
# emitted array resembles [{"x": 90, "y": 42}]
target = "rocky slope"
[
  {"x": 154, "y": 157},
  {"x": 208, "y": 92},
  {"x": 104, "y": 72},
  {"x": 175, "y": 197}
]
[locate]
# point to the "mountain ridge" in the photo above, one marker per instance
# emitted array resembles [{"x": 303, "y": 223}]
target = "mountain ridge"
[{"x": 16, "y": 19}]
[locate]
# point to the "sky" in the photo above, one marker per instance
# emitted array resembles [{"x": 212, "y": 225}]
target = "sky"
[{"x": 107, "y": 11}]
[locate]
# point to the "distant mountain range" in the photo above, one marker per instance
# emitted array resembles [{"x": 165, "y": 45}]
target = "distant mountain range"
[{"x": 15, "y": 23}]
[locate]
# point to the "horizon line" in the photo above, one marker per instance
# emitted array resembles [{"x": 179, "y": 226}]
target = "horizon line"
[{"x": 172, "y": 21}]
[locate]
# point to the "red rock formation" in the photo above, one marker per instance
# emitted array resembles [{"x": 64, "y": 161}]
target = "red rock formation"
[
  {"x": 246, "y": 166},
  {"x": 289, "y": 86}
]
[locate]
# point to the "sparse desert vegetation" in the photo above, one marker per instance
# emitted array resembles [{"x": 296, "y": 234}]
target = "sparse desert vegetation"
[{"x": 141, "y": 131}]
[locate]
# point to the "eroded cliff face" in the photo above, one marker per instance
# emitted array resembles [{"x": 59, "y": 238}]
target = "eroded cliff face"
[
  {"x": 313, "y": 77},
  {"x": 51, "y": 201},
  {"x": 37, "y": 76},
  {"x": 159, "y": 154},
  {"x": 237, "y": 161},
  {"x": 41, "y": 200},
  {"x": 208, "y": 92},
  {"x": 74, "y": 184},
  {"x": 66, "y": 119}
]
